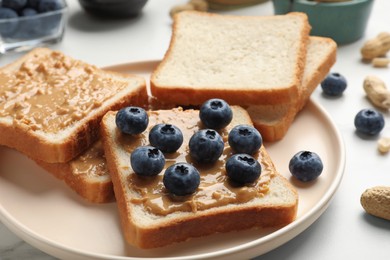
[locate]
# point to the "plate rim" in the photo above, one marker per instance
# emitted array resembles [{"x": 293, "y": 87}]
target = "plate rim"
[{"x": 281, "y": 235}]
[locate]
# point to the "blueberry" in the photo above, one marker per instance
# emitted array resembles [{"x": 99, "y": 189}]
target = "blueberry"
[
  {"x": 181, "y": 179},
  {"x": 7, "y": 29},
  {"x": 168, "y": 138},
  {"x": 132, "y": 120},
  {"x": 215, "y": 113},
  {"x": 28, "y": 12},
  {"x": 369, "y": 121},
  {"x": 33, "y": 3},
  {"x": 334, "y": 84},
  {"x": 243, "y": 168},
  {"x": 50, "y": 5},
  {"x": 147, "y": 161},
  {"x": 305, "y": 166},
  {"x": 245, "y": 139},
  {"x": 206, "y": 146},
  {"x": 14, "y": 4},
  {"x": 28, "y": 28}
]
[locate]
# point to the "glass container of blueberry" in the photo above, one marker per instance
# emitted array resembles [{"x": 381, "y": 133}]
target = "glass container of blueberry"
[{"x": 25, "y": 24}]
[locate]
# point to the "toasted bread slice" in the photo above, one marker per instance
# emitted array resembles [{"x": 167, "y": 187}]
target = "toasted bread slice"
[
  {"x": 273, "y": 121},
  {"x": 243, "y": 60},
  {"x": 151, "y": 217},
  {"x": 87, "y": 174},
  {"x": 51, "y": 104}
]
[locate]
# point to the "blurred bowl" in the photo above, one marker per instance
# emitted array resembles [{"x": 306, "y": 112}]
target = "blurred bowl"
[
  {"x": 113, "y": 8},
  {"x": 26, "y": 32},
  {"x": 344, "y": 22}
]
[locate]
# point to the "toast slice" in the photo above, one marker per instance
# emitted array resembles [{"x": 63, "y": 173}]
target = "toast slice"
[
  {"x": 273, "y": 121},
  {"x": 87, "y": 174},
  {"x": 51, "y": 104},
  {"x": 151, "y": 217},
  {"x": 243, "y": 60}
]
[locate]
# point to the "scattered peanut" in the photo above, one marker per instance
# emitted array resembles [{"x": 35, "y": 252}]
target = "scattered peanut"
[
  {"x": 384, "y": 145},
  {"x": 377, "y": 92},
  {"x": 380, "y": 62},
  {"x": 376, "y": 201},
  {"x": 376, "y": 47},
  {"x": 198, "y": 5}
]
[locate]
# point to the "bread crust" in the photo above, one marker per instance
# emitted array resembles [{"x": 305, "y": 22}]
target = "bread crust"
[
  {"x": 170, "y": 229},
  {"x": 196, "y": 95},
  {"x": 43, "y": 147}
]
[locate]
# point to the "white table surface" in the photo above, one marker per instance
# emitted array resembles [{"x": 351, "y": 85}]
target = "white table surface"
[{"x": 344, "y": 231}]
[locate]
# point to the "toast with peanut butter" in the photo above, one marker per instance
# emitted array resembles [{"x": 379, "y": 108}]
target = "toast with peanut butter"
[
  {"x": 87, "y": 174},
  {"x": 51, "y": 104},
  {"x": 152, "y": 217}
]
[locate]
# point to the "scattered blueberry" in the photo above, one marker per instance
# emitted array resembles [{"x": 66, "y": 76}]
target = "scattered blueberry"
[
  {"x": 14, "y": 4},
  {"x": 206, "y": 146},
  {"x": 7, "y": 29},
  {"x": 243, "y": 168},
  {"x": 369, "y": 121},
  {"x": 305, "y": 166},
  {"x": 334, "y": 84},
  {"x": 245, "y": 139},
  {"x": 50, "y": 5},
  {"x": 166, "y": 137},
  {"x": 215, "y": 113},
  {"x": 147, "y": 161},
  {"x": 132, "y": 120},
  {"x": 181, "y": 179}
]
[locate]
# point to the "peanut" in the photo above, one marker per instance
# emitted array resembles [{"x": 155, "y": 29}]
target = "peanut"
[
  {"x": 376, "y": 201},
  {"x": 384, "y": 144},
  {"x": 380, "y": 62},
  {"x": 377, "y": 92},
  {"x": 376, "y": 47}
]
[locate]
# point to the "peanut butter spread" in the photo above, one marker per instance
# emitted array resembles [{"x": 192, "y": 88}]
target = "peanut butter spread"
[
  {"x": 50, "y": 92},
  {"x": 92, "y": 162},
  {"x": 214, "y": 190}
]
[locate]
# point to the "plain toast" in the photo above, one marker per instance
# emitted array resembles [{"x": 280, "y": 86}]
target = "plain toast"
[
  {"x": 244, "y": 60},
  {"x": 273, "y": 121}
]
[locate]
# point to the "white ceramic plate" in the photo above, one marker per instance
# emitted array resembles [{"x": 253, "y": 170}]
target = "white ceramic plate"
[{"x": 47, "y": 214}]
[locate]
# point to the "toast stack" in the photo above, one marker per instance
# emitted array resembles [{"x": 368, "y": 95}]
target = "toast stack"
[{"x": 51, "y": 106}]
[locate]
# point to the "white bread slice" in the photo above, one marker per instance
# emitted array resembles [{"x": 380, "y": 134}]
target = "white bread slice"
[
  {"x": 273, "y": 121},
  {"x": 87, "y": 174},
  {"x": 243, "y": 60},
  {"x": 276, "y": 205},
  {"x": 51, "y": 104}
]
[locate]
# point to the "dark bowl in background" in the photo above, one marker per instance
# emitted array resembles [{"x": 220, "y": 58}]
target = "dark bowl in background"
[{"x": 113, "y": 8}]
